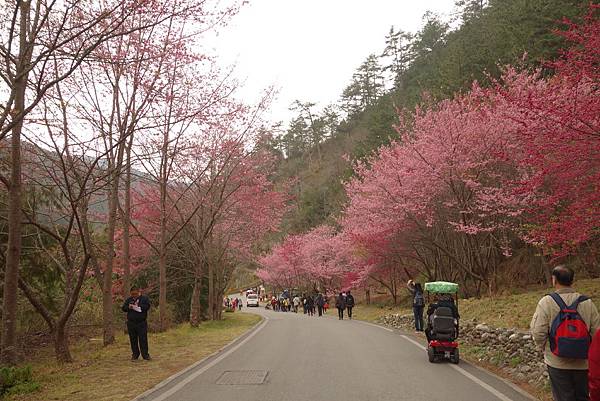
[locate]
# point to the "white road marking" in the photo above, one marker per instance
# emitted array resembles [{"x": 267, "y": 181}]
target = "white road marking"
[
  {"x": 468, "y": 375},
  {"x": 209, "y": 365},
  {"x": 374, "y": 325}
]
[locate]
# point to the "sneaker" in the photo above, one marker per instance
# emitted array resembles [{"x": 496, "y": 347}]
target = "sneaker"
[
  {"x": 148, "y": 358},
  {"x": 134, "y": 359}
]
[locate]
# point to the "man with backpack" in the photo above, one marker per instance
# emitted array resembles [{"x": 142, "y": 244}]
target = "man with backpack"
[
  {"x": 418, "y": 303},
  {"x": 349, "y": 304},
  {"x": 562, "y": 326}
]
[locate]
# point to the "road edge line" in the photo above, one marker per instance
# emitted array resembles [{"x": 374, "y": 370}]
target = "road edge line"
[
  {"x": 225, "y": 349},
  {"x": 375, "y": 325},
  {"x": 506, "y": 381}
]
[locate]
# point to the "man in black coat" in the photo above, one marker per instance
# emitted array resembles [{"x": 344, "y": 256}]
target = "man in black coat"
[
  {"x": 137, "y": 306},
  {"x": 320, "y": 301},
  {"x": 349, "y": 303},
  {"x": 310, "y": 305},
  {"x": 340, "y": 304}
]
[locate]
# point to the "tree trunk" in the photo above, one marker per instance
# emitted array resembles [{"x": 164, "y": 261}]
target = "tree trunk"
[
  {"x": 107, "y": 302},
  {"x": 8, "y": 353},
  {"x": 211, "y": 292},
  {"x": 13, "y": 254},
  {"x": 61, "y": 344},
  {"x": 162, "y": 257},
  {"x": 195, "y": 303},
  {"x": 126, "y": 222},
  {"x": 162, "y": 266}
]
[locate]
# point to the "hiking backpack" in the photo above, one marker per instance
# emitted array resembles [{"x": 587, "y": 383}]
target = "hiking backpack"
[
  {"x": 419, "y": 299},
  {"x": 569, "y": 335}
]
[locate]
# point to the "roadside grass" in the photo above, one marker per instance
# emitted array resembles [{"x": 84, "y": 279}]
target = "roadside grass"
[
  {"x": 517, "y": 309},
  {"x": 371, "y": 313},
  {"x": 107, "y": 374}
]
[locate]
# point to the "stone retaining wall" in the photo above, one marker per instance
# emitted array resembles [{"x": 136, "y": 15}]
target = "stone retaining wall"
[{"x": 511, "y": 350}]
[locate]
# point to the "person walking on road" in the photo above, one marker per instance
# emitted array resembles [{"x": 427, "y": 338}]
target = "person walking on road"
[
  {"x": 562, "y": 325},
  {"x": 320, "y": 302},
  {"x": 137, "y": 306},
  {"x": 349, "y": 304},
  {"x": 310, "y": 305},
  {"x": 296, "y": 302},
  {"x": 340, "y": 304},
  {"x": 418, "y": 303}
]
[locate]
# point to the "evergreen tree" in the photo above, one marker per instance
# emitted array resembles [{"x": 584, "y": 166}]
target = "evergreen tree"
[{"x": 398, "y": 51}]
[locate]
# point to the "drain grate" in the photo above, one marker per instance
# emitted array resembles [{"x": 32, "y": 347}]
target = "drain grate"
[{"x": 242, "y": 377}]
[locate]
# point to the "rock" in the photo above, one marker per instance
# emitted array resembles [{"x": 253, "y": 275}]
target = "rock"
[
  {"x": 514, "y": 337},
  {"x": 525, "y": 369},
  {"x": 527, "y": 337},
  {"x": 482, "y": 327}
]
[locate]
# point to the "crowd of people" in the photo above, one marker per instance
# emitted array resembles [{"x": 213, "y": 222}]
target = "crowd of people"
[
  {"x": 311, "y": 304},
  {"x": 232, "y": 303}
]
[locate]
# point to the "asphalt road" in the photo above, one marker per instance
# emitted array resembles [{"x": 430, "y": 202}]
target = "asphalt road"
[{"x": 294, "y": 357}]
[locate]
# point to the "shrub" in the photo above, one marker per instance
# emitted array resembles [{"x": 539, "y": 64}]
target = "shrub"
[{"x": 17, "y": 380}]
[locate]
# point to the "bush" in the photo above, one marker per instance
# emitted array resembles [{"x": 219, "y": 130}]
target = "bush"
[{"x": 17, "y": 380}]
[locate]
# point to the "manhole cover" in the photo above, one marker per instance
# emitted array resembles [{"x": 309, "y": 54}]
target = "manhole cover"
[{"x": 243, "y": 377}]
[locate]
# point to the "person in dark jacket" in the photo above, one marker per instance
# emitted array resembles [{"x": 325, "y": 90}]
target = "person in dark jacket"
[
  {"x": 320, "y": 302},
  {"x": 137, "y": 306},
  {"x": 340, "y": 304},
  {"x": 349, "y": 304},
  {"x": 310, "y": 305},
  {"x": 441, "y": 300},
  {"x": 418, "y": 303}
]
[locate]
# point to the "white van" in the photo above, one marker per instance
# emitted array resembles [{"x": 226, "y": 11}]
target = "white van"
[{"x": 252, "y": 300}]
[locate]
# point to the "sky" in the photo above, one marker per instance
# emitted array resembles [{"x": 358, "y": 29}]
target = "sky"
[{"x": 309, "y": 49}]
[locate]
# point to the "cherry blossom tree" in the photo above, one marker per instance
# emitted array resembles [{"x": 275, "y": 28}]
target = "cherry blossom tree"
[{"x": 557, "y": 125}]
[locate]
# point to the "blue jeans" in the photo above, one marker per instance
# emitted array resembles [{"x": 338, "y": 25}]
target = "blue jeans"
[{"x": 418, "y": 312}]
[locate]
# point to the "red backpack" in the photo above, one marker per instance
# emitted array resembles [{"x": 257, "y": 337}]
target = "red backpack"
[{"x": 569, "y": 335}]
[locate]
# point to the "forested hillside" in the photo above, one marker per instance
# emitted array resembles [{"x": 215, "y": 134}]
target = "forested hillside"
[
  {"x": 398, "y": 94},
  {"x": 434, "y": 63}
]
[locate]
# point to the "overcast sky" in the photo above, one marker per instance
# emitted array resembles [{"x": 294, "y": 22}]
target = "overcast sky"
[{"x": 308, "y": 49}]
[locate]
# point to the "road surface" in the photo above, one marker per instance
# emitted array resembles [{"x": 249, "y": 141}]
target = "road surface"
[{"x": 295, "y": 357}]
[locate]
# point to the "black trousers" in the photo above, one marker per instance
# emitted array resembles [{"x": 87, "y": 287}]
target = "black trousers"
[
  {"x": 341, "y": 313},
  {"x": 418, "y": 312},
  {"x": 138, "y": 338},
  {"x": 569, "y": 384},
  {"x": 320, "y": 309},
  {"x": 350, "y": 311}
]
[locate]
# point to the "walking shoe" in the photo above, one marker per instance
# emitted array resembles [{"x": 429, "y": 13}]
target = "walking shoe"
[
  {"x": 148, "y": 358},
  {"x": 134, "y": 359}
]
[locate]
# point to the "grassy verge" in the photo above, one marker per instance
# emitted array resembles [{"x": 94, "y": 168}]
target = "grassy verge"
[
  {"x": 371, "y": 313},
  {"x": 107, "y": 374},
  {"x": 516, "y": 310}
]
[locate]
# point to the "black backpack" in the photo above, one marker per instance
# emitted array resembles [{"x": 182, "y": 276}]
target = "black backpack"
[{"x": 419, "y": 299}]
